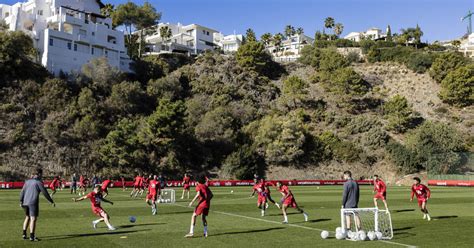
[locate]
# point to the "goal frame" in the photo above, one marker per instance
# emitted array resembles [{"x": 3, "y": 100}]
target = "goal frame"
[
  {"x": 377, "y": 212},
  {"x": 172, "y": 193}
]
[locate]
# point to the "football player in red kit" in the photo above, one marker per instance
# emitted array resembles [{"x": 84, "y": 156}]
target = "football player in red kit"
[
  {"x": 153, "y": 193},
  {"x": 53, "y": 185},
  {"x": 422, "y": 193},
  {"x": 137, "y": 185},
  {"x": 105, "y": 185},
  {"x": 96, "y": 197},
  {"x": 260, "y": 189},
  {"x": 380, "y": 190},
  {"x": 83, "y": 181},
  {"x": 288, "y": 200},
  {"x": 205, "y": 195},
  {"x": 186, "y": 185}
]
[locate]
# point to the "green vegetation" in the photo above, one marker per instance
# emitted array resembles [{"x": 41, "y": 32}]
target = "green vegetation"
[
  {"x": 457, "y": 88},
  {"x": 398, "y": 113}
]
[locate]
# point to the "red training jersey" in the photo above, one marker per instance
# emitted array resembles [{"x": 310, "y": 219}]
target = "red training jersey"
[
  {"x": 421, "y": 191},
  {"x": 54, "y": 183},
  {"x": 285, "y": 190},
  {"x": 153, "y": 187},
  {"x": 106, "y": 183},
  {"x": 95, "y": 199},
  {"x": 186, "y": 180},
  {"x": 205, "y": 195},
  {"x": 138, "y": 181},
  {"x": 380, "y": 186}
]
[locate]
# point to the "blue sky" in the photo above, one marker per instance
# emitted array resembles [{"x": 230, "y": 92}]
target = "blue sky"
[{"x": 439, "y": 19}]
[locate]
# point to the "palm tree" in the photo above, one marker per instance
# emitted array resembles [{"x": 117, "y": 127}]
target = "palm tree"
[
  {"x": 289, "y": 31},
  {"x": 266, "y": 38},
  {"x": 338, "y": 29},
  {"x": 329, "y": 22},
  {"x": 277, "y": 39},
  {"x": 165, "y": 33},
  {"x": 417, "y": 33},
  {"x": 299, "y": 31},
  {"x": 107, "y": 10},
  {"x": 456, "y": 43}
]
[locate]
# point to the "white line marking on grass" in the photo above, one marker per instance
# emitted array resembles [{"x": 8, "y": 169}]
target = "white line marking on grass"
[{"x": 292, "y": 225}]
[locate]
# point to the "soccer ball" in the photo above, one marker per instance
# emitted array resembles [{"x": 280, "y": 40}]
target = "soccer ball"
[
  {"x": 166, "y": 193},
  {"x": 378, "y": 235},
  {"x": 339, "y": 230},
  {"x": 362, "y": 235},
  {"x": 132, "y": 219},
  {"x": 340, "y": 235},
  {"x": 168, "y": 200},
  {"x": 353, "y": 235},
  {"x": 371, "y": 235},
  {"x": 324, "y": 234},
  {"x": 231, "y": 191}
]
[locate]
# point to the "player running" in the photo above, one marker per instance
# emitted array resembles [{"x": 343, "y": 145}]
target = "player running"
[
  {"x": 260, "y": 189},
  {"x": 380, "y": 190},
  {"x": 96, "y": 197},
  {"x": 153, "y": 193},
  {"x": 83, "y": 181},
  {"x": 105, "y": 185},
  {"x": 268, "y": 194},
  {"x": 53, "y": 185},
  {"x": 422, "y": 193},
  {"x": 186, "y": 185},
  {"x": 288, "y": 200},
  {"x": 205, "y": 195},
  {"x": 137, "y": 185}
]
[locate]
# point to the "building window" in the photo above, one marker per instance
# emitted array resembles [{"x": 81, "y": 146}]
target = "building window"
[
  {"x": 92, "y": 51},
  {"x": 207, "y": 32},
  {"x": 40, "y": 12},
  {"x": 204, "y": 32},
  {"x": 51, "y": 42},
  {"x": 75, "y": 47},
  {"x": 93, "y": 33},
  {"x": 69, "y": 45}
]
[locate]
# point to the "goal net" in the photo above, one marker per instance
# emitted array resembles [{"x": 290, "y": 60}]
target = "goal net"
[
  {"x": 367, "y": 219},
  {"x": 167, "y": 196}
]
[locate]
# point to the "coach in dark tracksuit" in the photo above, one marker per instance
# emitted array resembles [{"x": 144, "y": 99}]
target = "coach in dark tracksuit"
[
  {"x": 350, "y": 197},
  {"x": 29, "y": 201}
]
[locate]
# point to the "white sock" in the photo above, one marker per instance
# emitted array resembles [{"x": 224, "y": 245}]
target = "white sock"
[
  {"x": 109, "y": 226},
  {"x": 191, "y": 229},
  {"x": 96, "y": 221},
  {"x": 205, "y": 229},
  {"x": 286, "y": 218}
]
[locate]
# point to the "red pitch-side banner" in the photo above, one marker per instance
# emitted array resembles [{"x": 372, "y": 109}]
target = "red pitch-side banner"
[
  {"x": 460, "y": 183},
  {"x": 212, "y": 183}
]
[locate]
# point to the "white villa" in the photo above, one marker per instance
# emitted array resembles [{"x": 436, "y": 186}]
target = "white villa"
[
  {"x": 67, "y": 33},
  {"x": 290, "y": 48},
  {"x": 467, "y": 46},
  {"x": 371, "y": 33},
  {"x": 190, "y": 39}
]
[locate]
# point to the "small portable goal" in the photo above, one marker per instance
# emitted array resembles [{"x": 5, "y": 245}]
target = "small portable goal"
[
  {"x": 368, "y": 219},
  {"x": 167, "y": 196}
]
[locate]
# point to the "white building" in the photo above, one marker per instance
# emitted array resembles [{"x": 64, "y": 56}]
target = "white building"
[
  {"x": 371, "y": 33},
  {"x": 190, "y": 39},
  {"x": 67, "y": 33},
  {"x": 467, "y": 46},
  {"x": 290, "y": 48}
]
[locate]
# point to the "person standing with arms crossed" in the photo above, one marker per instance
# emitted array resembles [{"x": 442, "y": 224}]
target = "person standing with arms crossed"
[
  {"x": 29, "y": 201},
  {"x": 350, "y": 198}
]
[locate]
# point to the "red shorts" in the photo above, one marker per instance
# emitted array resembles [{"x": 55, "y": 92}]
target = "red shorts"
[
  {"x": 382, "y": 195},
  {"x": 202, "y": 208},
  {"x": 52, "y": 188},
  {"x": 98, "y": 211},
  {"x": 136, "y": 186},
  {"x": 186, "y": 186},
  {"x": 152, "y": 197},
  {"x": 105, "y": 190},
  {"x": 261, "y": 199},
  {"x": 421, "y": 200},
  {"x": 290, "y": 202}
]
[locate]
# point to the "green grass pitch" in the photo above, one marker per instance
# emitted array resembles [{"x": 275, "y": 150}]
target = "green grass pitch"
[{"x": 234, "y": 221}]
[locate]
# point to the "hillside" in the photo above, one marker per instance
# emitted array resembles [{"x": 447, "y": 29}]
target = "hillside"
[{"x": 234, "y": 115}]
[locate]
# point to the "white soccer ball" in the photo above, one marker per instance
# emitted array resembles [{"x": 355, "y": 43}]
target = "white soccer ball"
[
  {"x": 362, "y": 235},
  {"x": 340, "y": 235},
  {"x": 339, "y": 229},
  {"x": 168, "y": 200},
  {"x": 324, "y": 234},
  {"x": 166, "y": 192},
  {"x": 371, "y": 235},
  {"x": 378, "y": 235},
  {"x": 231, "y": 191}
]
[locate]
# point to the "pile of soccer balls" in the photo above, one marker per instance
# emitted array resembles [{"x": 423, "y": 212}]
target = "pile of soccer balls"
[
  {"x": 164, "y": 200},
  {"x": 355, "y": 236}
]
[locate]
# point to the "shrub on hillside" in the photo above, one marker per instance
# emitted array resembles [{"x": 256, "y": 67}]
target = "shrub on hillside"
[
  {"x": 457, "y": 88},
  {"x": 345, "y": 82},
  {"x": 403, "y": 158},
  {"x": 416, "y": 60},
  {"x": 338, "y": 149},
  {"x": 252, "y": 55},
  {"x": 446, "y": 63},
  {"x": 398, "y": 112},
  {"x": 323, "y": 59},
  {"x": 243, "y": 163}
]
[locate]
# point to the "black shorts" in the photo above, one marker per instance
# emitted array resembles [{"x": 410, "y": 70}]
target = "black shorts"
[{"x": 31, "y": 210}]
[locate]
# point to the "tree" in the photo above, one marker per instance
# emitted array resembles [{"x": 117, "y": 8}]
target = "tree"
[
  {"x": 417, "y": 34},
  {"x": 253, "y": 55},
  {"x": 289, "y": 31},
  {"x": 266, "y": 38},
  {"x": 295, "y": 92},
  {"x": 107, "y": 10},
  {"x": 277, "y": 40},
  {"x": 445, "y": 63},
  {"x": 299, "y": 31},
  {"x": 165, "y": 33},
  {"x": 456, "y": 43},
  {"x": 398, "y": 112},
  {"x": 457, "y": 88},
  {"x": 338, "y": 29},
  {"x": 250, "y": 35},
  {"x": 389, "y": 33},
  {"x": 329, "y": 22}
]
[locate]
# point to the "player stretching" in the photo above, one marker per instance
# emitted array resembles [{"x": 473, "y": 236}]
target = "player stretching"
[
  {"x": 137, "y": 185},
  {"x": 205, "y": 195},
  {"x": 96, "y": 197},
  {"x": 288, "y": 200},
  {"x": 105, "y": 187},
  {"x": 380, "y": 190},
  {"x": 423, "y": 193},
  {"x": 54, "y": 185},
  {"x": 153, "y": 193},
  {"x": 186, "y": 185}
]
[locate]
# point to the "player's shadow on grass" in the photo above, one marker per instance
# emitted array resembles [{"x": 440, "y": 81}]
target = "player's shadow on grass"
[
  {"x": 145, "y": 224},
  {"x": 404, "y": 210},
  {"x": 402, "y": 228},
  {"x": 249, "y": 231},
  {"x": 318, "y": 220},
  {"x": 280, "y": 214},
  {"x": 81, "y": 235},
  {"x": 444, "y": 217}
]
